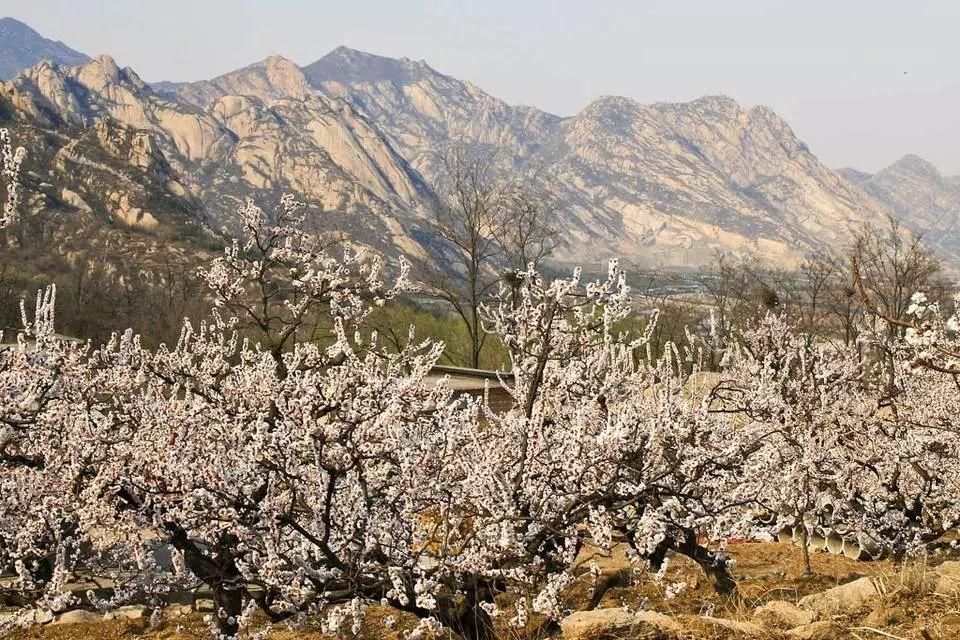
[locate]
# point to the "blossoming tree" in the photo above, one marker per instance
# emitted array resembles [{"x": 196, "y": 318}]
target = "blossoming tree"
[
  {"x": 603, "y": 441},
  {"x": 10, "y": 160}
]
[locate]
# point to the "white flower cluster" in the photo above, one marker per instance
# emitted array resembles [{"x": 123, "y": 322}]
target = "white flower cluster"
[
  {"x": 858, "y": 439},
  {"x": 10, "y": 161},
  {"x": 304, "y": 479}
]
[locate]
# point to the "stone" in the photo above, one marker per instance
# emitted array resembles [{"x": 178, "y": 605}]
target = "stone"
[
  {"x": 748, "y": 629},
  {"x": 77, "y": 616},
  {"x": 948, "y": 578},
  {"x": 20, "y": 617},
  {"x": 614, "y": 624},
  {"x": 780, "y": 614},
  {"x": 203, "y": 605},
  {"x": 129, "y": 612},
  {"x": 948, "y": 568},
  {"x": 43, "y": 616},
  {"x": 660, "y": 621},
  {"x": 823, "y": 630},
  {"x": 177, "y": 610},
  {"x": 841, "y": 599}
]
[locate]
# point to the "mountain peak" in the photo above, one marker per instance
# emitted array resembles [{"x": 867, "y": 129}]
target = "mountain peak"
[
  {"x": 279, "y": 66},
  {"x": 346, "y": 65},
  {"x": 273, "y": 78},
  {"x": 100, "y": 72},
  {"x": 10, "y": 26},
  {"x": 718, "y": 104},
  {"x": 717, "y": 100},
  {"x": 277, "y": 60},
  {"x": 915, "y": 162},
  {"x": 21, "y": 47},
  {"x": 105, "y": 61}
]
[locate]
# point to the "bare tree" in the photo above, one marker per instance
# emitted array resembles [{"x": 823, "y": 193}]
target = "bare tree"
[
  {"x": 890, "y": 265},
  {"x": 489, "y": 228},
  {"x": 821, "y": 286},
  {"x": 528, "y": 234}
]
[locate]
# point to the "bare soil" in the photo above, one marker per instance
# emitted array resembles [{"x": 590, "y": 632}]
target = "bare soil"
[{"x": 907, "y": 610}]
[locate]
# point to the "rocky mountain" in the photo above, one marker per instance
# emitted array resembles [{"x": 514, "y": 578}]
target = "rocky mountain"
[
  {"x": 917, "y": 193},
  {"x": 21, "y": 47},
  {"x": 357, "y": 136},
  {"x": 672, "y": 184},
  {"x": 422, "y": 111},
  {"x": 664, "y": 184},
  {"x": 249, "y": 134}
]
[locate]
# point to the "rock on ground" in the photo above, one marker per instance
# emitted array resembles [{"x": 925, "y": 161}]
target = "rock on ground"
[
  {"x": 177, "y": 610},
  {"x": 780, "y": 614},
  {"x": 77, "y": 616},
  {"x": 885, "y": 615},
  {"x": 844, "y": 598},
  {"x": 948, "y": 580},
  {"x": 129, "y": 612},
  {"x": 614, "y": 624},
  {"x": 203, "y": 605},
  {"x": 18, "y": 617}
]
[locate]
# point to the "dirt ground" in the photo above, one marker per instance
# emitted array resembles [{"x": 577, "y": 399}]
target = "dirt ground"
[{"x": 765, "y": 572}]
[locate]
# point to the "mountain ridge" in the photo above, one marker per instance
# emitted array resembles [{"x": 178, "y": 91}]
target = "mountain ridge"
[
  {"x": 927, "y": 201},
  {"x": 22, "y": 47},
  {"x": 665, "y": 184}
]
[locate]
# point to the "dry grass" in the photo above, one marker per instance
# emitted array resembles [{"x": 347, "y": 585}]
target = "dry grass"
[{"x": 908, "y": 609}]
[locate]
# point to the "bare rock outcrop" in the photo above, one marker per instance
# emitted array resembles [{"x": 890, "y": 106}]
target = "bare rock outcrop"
[
  {"x": 617, "y": 623},
  {"x": 666, "y": 184},
  {"x": 779, "y": 614},
  {"x": 847, "y": 597}
]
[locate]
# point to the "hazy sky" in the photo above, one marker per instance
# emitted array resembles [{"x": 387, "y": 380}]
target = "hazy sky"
[{"x": 862, "y": 82}]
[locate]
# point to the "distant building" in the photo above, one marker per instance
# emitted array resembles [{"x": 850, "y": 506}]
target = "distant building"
[{"x": 475, "y": 382}]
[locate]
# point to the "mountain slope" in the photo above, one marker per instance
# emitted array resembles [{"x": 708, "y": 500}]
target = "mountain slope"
[
  {"x": 422, "y": 110},
  {"x": 916, "y": 192},
  {"x": 663, "y": 184},
  {"x": 21, "y": 47},
  {"x": 237, "y": 137},
  {"x": 358, "y": 135}
]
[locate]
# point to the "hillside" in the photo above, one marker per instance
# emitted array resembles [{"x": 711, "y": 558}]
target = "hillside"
[
  {"x": 246, "y": 143},
  {"x": 664, "y": 184},
  {"x": 357, "y": 135},
  {"x": 21, "y": 47},
  {"x": 915, "y": 191}
]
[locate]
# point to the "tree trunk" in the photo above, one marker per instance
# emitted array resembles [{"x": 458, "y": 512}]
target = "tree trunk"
[
  {"x": 713, "y": 564},
  {"x": 470, "y": 621},
  {"x": 805, "y": 549},
  {"x": 220, "y": 572},
  {"x": 227, "y": 605}
]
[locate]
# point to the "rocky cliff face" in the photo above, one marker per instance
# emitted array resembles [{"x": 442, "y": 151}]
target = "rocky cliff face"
[
  {"x": 258, "y": 132},
  {"x": 663, "y": 184},
  {"x": 916, "y": 192},
  {"x": 422, "y": 110},
  {"x": 21, "y": 47},
  {"x": 357, "y": 136},
  {"x": 674, "y": 183}
]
